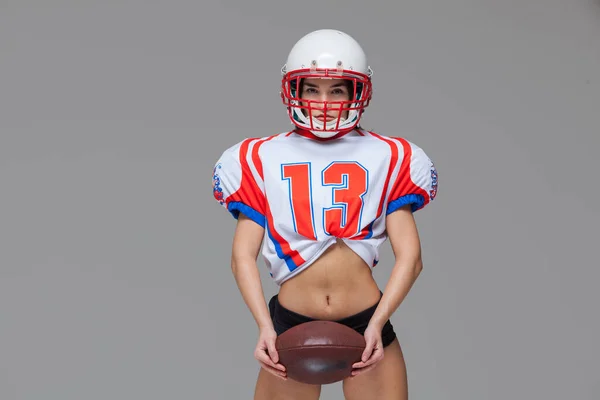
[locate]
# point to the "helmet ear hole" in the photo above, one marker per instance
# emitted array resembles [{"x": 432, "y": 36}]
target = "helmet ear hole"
[
  {"x": 297, "y": 87},
  {"x": 359, "y": 89}
]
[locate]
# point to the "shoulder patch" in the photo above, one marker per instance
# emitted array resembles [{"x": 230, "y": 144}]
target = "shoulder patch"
[
  {"x": 216, "y": 184},
  {"x": 434, "y": 182}
]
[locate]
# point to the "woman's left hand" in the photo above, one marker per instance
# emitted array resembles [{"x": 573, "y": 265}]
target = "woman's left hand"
[{"x": 373, "y": 352}]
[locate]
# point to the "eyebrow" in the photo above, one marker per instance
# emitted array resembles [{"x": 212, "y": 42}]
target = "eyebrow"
[{"x": 312, "y": 85}]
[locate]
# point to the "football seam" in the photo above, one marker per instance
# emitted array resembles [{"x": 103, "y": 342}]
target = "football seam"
[{"x": 321, "y": 345}]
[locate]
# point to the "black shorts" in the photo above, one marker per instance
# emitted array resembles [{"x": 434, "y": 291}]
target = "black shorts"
[{"x": 284, "y": 319}]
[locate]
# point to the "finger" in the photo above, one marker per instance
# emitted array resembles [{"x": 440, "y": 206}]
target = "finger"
[
  {"x": 263, "y": 357},
  {"x": 360, "y": 371},
  {"x": 366, "y": 355},
  {"x": 375, "y": 356},
  {"x": 273, "y": 371},
  {"x": 367, "y": 351},
  {"x": 273, "y": 351}
]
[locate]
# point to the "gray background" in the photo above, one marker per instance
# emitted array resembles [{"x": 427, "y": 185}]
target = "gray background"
[{"x": 114, "y": 258}]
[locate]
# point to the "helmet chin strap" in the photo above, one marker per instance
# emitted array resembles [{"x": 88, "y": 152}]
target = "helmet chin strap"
[{"x": 326, "y": 134}]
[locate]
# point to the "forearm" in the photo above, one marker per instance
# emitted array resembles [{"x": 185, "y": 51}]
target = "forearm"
[
  {"x": 403, "y": 276},
  {"x": 249, "y": 284}
]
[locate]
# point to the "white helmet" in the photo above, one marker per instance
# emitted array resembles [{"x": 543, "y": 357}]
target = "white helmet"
[{"x": 326, "y": 53}]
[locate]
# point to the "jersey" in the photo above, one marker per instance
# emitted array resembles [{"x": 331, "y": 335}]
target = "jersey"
[{"x": 307, "y": 192}]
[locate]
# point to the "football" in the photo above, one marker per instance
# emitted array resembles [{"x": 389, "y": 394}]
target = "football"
[{"x": 319, "y": 352}]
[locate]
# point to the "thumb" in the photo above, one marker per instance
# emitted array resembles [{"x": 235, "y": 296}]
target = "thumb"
[
  {"x": 368, "y": 350},
  {"x": 272, "y": 351}
]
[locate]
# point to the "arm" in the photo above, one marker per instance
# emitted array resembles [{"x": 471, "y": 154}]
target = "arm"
[
  {"x": 241, "y": 192},
  {"x": 246, "y": 246},
  {"x": 415, "y": 186},
  {"x": 402, "y": 232},
  {"x": 405, "y": 242}
]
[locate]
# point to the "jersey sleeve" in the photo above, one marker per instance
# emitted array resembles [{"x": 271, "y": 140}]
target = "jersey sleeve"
[
  {"x": 237, "y": 186},
  {"x": 415, "y": 179}
]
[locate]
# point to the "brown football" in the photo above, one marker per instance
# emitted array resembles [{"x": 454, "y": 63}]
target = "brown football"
[{"x": 319, "y": 352}]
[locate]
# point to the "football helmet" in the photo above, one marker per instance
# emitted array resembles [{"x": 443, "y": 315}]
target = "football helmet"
[{"x": 326, "y": 53}]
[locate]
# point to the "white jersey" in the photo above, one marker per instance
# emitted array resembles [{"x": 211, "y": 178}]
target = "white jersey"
[{"x": 306, "y": 192}]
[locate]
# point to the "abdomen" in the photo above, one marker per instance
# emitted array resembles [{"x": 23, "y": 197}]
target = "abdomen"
[{"x": 336, "y": 285}]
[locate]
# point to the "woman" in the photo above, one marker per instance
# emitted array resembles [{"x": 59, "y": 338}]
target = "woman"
[{"x": 320, "y": 200}]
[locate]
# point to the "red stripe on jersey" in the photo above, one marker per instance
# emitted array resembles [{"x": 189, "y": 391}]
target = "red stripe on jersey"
[
  {"x": 256, "y": 158},
  {"x": 404, "y": 184},
  {"x": 285, "y": 246},
  {"x": 249, "y": 189},
  {"x": 393, "y": 161}
]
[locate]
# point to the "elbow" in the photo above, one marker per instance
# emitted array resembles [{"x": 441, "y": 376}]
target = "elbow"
[
  {"x": 239, "y": 264},
  {"x": 418, "y": 267},
  {"x": 235, "y": 265}
]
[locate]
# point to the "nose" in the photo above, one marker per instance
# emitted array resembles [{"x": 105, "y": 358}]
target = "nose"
[{"x": 320, "y": 102}]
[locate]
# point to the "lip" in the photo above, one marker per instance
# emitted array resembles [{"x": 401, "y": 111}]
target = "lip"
[{"x": 322, "y": 118}]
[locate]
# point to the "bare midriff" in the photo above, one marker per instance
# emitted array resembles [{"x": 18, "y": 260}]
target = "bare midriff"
[{"x": 338, "y": 284}]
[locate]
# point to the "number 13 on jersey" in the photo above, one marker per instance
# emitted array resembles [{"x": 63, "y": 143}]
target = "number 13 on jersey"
[{"x": 348, "y": 181}]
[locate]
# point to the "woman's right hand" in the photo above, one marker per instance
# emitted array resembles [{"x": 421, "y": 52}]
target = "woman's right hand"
[{"x": 266, "y": 354}]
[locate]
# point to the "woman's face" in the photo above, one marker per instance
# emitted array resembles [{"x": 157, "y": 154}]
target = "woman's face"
[{"x": 321, "y": 90}]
